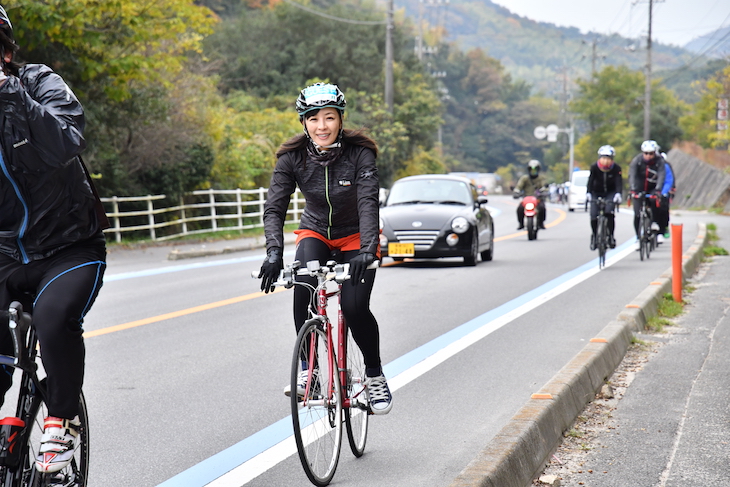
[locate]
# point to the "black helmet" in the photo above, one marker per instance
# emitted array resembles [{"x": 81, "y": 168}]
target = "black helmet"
[
  {"x": 5, "y": 23},
  {"x": 320, "y": 95}
]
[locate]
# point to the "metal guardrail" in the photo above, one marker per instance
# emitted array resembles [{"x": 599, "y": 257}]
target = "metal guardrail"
[{"x": 203, "y": 211}]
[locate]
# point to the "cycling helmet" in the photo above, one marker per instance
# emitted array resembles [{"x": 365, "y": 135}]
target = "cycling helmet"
[
  {"x": 607, "y": 150},
  {"x": 5, "y": 23},
  {"x": 318, "y": 96},
  {"x": 649, "y": 146}
]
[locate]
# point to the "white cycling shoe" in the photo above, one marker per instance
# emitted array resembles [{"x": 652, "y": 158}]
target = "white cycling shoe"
[{"x": 58, "y": 444}]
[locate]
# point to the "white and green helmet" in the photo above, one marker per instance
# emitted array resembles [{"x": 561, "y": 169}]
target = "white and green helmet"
[{"x": 318, "y": 96}]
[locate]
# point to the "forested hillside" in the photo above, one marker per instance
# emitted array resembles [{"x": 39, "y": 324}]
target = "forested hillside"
[{"x": 183, "y": 94}]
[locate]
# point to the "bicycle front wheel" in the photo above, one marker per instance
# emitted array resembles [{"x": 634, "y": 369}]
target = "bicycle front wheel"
[
  {"x": 317, "y": 405},
  {"x": 76, "y": 473},
  {"x": 356, "y": 416},
  {"x": 602, "y": 243}
]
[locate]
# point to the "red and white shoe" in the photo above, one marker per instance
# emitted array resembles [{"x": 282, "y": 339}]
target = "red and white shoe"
[{"x": 58, "y": 444}]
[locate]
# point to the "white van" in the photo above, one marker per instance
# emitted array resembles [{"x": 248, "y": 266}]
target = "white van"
[{"x": 577, "y": 190}]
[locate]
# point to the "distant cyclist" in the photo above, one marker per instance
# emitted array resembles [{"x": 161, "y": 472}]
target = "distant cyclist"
[
  {"x": 529, "y": 185},
  {"x": 667, "y": 194},
  {"x": 335, "y": 170},
  {"x": 646, "y": 175},
  {"x": 605, "y": 181},
  {"x": 52, "y": 249}
]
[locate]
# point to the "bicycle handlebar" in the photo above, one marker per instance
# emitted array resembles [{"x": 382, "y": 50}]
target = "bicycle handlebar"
[{"x": 330, "y": 271}]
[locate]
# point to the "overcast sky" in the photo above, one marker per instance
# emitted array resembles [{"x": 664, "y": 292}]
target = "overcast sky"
[{"x": 673, "y": 21}]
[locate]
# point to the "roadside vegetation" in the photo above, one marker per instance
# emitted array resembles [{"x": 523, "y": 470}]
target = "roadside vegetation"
[{"x": 713, "y": 249}]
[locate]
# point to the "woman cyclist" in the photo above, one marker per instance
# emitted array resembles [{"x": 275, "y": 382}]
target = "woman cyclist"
[
  {"x": 604, "y": 181},
  {"x": 335, "y": 169}
]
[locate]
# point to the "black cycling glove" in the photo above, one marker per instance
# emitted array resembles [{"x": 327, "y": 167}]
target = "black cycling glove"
[
  {"x": 358, "y": 266},
  {"x": 273, "y": 264}
]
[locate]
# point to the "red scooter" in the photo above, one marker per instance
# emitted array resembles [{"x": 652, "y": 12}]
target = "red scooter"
[{"x": 529, "y": 203}]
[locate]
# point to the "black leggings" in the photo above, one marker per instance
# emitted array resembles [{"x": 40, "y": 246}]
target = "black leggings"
[
  {"x": 355, "y": 301},
  {"x": 608, "y": 211},
  {"x": 59, "y": 290}
]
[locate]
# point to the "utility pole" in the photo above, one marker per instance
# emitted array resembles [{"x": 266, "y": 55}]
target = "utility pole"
[
  {"x": 647, "y": 88},
  {"x": 389, "y": 58}
]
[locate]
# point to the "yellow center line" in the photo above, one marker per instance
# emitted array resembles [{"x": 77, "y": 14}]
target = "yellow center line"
[
  {"x": 561, "y": 216},
  {"x": 176, "y": 314}
]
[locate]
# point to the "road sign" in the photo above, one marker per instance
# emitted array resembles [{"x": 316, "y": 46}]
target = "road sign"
[
  {"x": 723, "y": 103},
  {"x": 539, "y": 132},
  {"x": 722, "y": 114}
]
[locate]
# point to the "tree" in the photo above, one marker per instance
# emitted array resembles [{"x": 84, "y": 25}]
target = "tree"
[
  {"x": 611, "y": 105},
  {"x": 111, "y": 45},
  {"x": 489, "y": 118},
  {"x": 701, "y": 124}
]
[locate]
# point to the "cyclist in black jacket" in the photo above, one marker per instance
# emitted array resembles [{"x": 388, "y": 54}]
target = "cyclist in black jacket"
[
  {"x": 604, "y": 181},
  {"x": 646, "y": 175},
  {"x": 335, "y": 170},
  {"x": 52, "y": 249}
]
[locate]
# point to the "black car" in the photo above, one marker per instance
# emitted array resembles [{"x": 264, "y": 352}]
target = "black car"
[{"x": 436, "y": 215}]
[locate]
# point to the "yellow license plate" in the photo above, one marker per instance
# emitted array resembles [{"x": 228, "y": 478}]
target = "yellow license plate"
[{"x": 401, "y": 250}]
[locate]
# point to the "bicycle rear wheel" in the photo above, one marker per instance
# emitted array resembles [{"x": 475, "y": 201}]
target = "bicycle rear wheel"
[
  {"x": 317, "y": 408},
  {"x": 356, "y": 416},
  {"x": 76, "y": 473}
]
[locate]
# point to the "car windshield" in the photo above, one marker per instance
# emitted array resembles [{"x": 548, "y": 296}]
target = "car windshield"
[
  {"x": 434, "y": 191},
  {"x": 580, "y": 181}
]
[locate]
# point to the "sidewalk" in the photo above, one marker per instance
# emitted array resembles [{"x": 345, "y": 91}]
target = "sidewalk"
[{"x": 671, "y": 428}]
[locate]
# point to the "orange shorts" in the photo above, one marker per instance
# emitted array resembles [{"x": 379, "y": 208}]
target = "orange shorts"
[{"x": 351, "y": 242}]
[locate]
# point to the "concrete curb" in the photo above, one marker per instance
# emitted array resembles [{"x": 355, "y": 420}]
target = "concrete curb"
[{"x": 517, "y": 454}]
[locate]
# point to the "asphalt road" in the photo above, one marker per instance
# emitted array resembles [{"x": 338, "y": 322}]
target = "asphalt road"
[{"x": 186, "y": 361}]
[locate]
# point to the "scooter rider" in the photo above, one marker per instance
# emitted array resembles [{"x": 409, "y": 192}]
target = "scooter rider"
[
  {"x": 531, "y": 183},
  {"x": 646, "y": 175},
  {"x": 605, "y": 181}
]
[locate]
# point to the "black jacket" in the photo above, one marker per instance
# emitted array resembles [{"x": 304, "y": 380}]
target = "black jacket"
[
  {"x": 605, "y": 183},
  {"x": 341, "y": 198},
  {"x": 645, "y": 177},
  {"x": 46, "y": 200}
]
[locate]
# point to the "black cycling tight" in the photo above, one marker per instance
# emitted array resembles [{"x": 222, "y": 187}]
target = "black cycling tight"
[
  {"x": 59, "y": 290},
  {"x": 355, "y": 301}
]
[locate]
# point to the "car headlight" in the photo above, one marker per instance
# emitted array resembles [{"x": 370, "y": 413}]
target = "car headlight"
[{"x": 460, "y": 224}]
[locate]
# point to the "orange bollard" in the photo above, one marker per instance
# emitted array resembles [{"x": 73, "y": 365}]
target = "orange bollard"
[{"x": 677, "y": 263}]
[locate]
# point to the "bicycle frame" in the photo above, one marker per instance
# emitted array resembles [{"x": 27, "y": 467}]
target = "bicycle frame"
[{"x": 25, "y": 344}]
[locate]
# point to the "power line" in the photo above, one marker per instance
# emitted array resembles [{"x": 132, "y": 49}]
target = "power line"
[
  {"x": 332, "y": 17},
  {"x": 689, "y": 63}
]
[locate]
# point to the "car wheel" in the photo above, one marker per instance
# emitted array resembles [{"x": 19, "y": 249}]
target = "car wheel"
[
  {"x": 488, "y": 254},
  {"x": 471, "y": 259}
]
